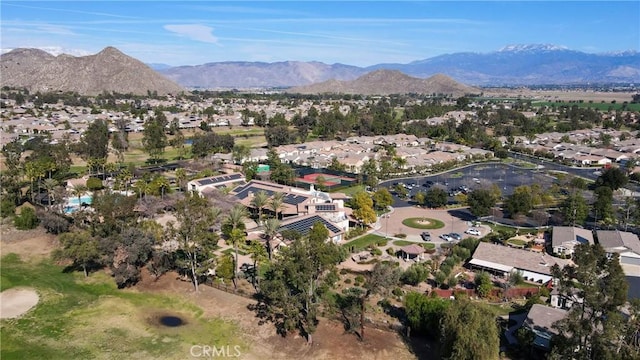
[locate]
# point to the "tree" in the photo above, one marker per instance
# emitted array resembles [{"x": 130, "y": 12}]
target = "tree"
[
  {"x": 240, "y": 152},
  {"x": 425, "y": 313},
  {"x": 436, "y": 197},
  {"x": 154, "y": 140},
  {"x": 195, "y": 217},
  {"x": 258, "y": 253},
  {"x": 603, "y": 205},
  {"x": 259, "y": 201},
  {"x": 94, "y": 143},
  {"x": 225, "y": 268},
  {"x": 381, "y": 279},
  {"x": 415, "y": 274},
  {"x": 480, "y": 202},
  {"x": 277, "y": 203},
  {"x": 293, "y": 285},
  {"x": 483, "y": 284},
  {"x": 49, "y": 185},
  {"x": 574, "y": 209},
  {"x": 520, "y": 202},
  {"x": 382, "y": 199},
  {"x": 593, "y": 327},
  {"x": 469, "y": 332},
  {"x": 271, "y": 227},
  {"x": 362, "y": 205},
  {"x": 81, "y": 248},
  {"x": 235, "y": 219},
  {"x": 613, "y": 177}
]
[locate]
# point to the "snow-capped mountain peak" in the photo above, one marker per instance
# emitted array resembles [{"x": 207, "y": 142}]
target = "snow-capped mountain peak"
[{"x": 532, "y": 47}]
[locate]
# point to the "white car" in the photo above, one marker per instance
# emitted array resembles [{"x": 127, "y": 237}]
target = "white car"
[{"x": 472, "y": 231}]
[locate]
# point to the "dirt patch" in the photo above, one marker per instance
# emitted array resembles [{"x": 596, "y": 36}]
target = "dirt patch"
[
  {"x": 28, "y": 244},
  {"x": 329, "y": 341},
  {"x": 15, "y": 302}
]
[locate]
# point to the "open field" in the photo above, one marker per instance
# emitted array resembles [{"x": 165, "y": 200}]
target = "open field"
[
  {"x": 560, "y": 95},
  {"x": 89, "y": 318}
]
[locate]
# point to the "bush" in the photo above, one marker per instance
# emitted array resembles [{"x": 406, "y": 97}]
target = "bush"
[
  {"x": 54, "y": 223},
  {"x": 391, "y": 251},
  {"x": 7, "y": 208},
  {"x": 397, "y": 292},
  {"x": 94, "y": 184},
  {"x": 357, "y": 231},
  {"x": 400, "y": 236},
  {"x": 343, "y": 271},
  {"x": 26, "y": 220},
  {"x": 359, "y": 279},
  {"x": 382, "y": 242},
  {"x": 376, "y": 252},
  {"x": 347, "y": 281}
]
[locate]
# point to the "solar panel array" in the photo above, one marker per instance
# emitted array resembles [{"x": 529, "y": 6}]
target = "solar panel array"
[
  {"x": 303, "y": 226},
  {"x": 326, "y": 207},
  {"x": 294, "y": 199},
  {"x": 219, "y": 179},
  {"x": 244, "y": 192}
]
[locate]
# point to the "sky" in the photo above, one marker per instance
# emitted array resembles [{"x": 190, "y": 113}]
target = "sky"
[{"x": 350, "y": 32}]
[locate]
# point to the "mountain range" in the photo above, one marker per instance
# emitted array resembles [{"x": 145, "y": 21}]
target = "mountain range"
[
  {"x": 511, "y": 65},
  {"x": 109, "y": 70},
  {"x": 385, "y": 82}
]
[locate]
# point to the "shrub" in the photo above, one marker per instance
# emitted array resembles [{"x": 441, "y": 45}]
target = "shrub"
[
  {"x": 391, "y": 251},
  {"x": 94, "y": 184},
  {"x": 7, "y": 208},
  {"x": 359, "y": 279},
  {"x": 382, "y": 242},
  {"x": 397, "y": 292},
  {"x": 400, "y": 236},
  {"x": 343, "y": 271},
  {"x": 376, "y": 252},
  {"x": 26, "y": 220},
  {"x": 347, "y": 281},
  {"x": 54, "y": 223}
]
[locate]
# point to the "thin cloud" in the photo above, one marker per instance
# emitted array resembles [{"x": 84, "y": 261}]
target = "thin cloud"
[
  {"x": 71, "y": 11},
  {"x": 194, "y": 32}
]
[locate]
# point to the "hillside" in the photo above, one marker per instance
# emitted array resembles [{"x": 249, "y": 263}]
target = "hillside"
[
  {"x": 109, "y": 70},
  {"x": 385, "y": 82},
  {"x": 258, "y": 74}
]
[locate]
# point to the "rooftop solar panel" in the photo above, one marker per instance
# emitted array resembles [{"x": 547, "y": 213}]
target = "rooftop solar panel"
[
  {"x": 294, "y": 199},
  {"x": 326, "y": 207},
  {"x": 304, "y": 225}
]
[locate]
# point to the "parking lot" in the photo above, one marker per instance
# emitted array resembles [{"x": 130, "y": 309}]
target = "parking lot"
[
  {"x": 455, "y": 221},
  {"x": 507, "y": 177}
]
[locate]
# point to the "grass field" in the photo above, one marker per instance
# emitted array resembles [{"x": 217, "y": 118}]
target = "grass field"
[
  {"x": 405, "y": 243},
  {"x": 361, "y": 243},
  {"x": 417, "y": 223},
  {"x": 89, "y": 318}
]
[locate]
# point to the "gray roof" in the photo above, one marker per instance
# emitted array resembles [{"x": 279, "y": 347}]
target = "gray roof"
[
  {"x": 541, "y": 318},
  {"x": 569, "y": 236},
  {"x": 517, "y": 258},
  {"x": 610, "y": 239}
]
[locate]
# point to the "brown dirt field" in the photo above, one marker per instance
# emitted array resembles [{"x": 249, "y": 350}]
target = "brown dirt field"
[
  {"x": 29, "y": 244},
  {"x": 329, "y": 341}
]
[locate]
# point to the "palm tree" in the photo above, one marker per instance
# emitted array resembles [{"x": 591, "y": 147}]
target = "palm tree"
[
  {"x": 259, "y": 201},
  {"x": 258, "y": 254},
  {"x": 181, "y": 176},
  {"x": 78, "y": 191},
  {"x": 235, "y": 218},
  {"x": 50, "y": 184},
  {"x": 271, "y": 227},
  {"x": 277, "y": 203}
]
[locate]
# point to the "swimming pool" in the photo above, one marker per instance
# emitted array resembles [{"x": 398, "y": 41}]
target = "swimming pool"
[{"x": 73, "y": 203}]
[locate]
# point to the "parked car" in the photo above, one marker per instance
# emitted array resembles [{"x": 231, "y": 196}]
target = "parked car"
[
  {"x": 455, "y": 236},
  {"x": 446, "y": 237},
  {"x": 426, "y": 236},
  {"x": 473, "y": 231}
]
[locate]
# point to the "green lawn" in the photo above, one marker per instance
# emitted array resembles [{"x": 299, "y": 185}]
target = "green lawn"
[
  {"x": 350, "y": 191},
  {"x": 517, "y": 242},
  {"x": 362, "y": 242},
  {"x": 417, "y": 224},
  {"x": 89, "y": 318},
  {"x": 405, "y": 243}
]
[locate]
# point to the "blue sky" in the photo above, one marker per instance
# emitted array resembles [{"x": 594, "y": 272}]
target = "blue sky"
[{"x": 357, "y": 33}]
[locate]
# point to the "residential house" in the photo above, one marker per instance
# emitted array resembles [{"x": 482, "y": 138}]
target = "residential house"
[
  {"x": 624, "y": 243},
  {"x": 540, "y": 320},
  {"x": 218, "y": 181},
  {"x": 565, "y": 238},
  {"x": 503, "y": 260}
]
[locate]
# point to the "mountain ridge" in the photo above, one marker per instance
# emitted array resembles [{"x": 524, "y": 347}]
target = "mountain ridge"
[{"x": 109, "y": 70}]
